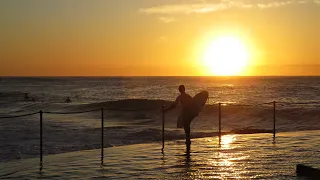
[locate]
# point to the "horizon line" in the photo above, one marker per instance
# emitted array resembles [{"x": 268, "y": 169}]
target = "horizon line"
[{"x": 115, "y": 76}]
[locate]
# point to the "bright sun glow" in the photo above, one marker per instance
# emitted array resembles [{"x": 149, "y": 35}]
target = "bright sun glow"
[{"x": 226, "y": 56}]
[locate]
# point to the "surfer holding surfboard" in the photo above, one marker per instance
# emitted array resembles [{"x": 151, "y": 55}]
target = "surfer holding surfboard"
[{"x": 190, "y": 109}]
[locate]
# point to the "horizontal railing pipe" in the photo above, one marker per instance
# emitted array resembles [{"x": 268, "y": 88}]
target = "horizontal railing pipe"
[{"x": 17, "y": 116}]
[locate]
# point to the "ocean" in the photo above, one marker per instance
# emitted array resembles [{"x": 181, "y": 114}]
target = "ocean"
[{"x": 133, "y": 118}]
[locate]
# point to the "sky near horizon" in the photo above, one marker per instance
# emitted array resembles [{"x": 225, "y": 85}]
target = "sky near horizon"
[{"x": 153, "y": 37}]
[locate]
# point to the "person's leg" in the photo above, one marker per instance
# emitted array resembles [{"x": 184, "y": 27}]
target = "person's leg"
[
  {"x": 187, "y": 131},
  {"x": 180, "y": 121}
]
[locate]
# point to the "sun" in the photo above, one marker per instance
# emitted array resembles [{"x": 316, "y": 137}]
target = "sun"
[{"x": 226, "y": 56}]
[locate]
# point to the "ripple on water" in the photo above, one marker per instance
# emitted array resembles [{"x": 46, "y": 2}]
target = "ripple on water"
[{"x": 238, "y": 156}]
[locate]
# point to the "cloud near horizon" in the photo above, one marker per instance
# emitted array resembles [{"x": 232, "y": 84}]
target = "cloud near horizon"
[
  {"x": 167, "y": 19},
  {"x": 218, "y": 5}
]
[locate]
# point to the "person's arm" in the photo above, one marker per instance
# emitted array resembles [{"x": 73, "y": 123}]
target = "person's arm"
[{"x": 173, "y": 105}]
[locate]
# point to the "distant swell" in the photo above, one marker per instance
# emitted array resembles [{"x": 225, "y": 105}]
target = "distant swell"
[
  {"x": 133, "y": 121},
  {"x": 233, "y": 116},
  {"x": 148, "y": 112},
  {"x": 128, "y": 104}
]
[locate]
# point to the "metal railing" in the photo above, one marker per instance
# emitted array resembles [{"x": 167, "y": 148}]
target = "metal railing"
[
  {"x": 273, "y": 103},
  {"x": 41, "y": 114}
]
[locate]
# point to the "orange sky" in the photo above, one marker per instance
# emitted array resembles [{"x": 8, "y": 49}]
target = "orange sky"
[{"x": 149, "y": 37}]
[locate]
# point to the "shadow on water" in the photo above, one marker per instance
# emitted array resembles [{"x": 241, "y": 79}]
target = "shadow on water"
[
  {"x": 187, "y": 161},
  {"x": 274, "y": 141}
]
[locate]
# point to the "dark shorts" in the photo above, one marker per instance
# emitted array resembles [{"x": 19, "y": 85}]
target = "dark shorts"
[{"x": 185, "y": 117}]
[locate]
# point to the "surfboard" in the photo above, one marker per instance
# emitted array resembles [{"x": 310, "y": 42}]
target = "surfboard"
[
  {"x": 200, "y": 100},
  {"x": 193, "y": 109}
]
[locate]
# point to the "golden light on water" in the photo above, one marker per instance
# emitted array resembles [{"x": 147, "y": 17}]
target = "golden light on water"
[
  {"x": 226, "y": 56},
  {"x": 226, "y": 141},
  {"x": 227, "y": 159}
]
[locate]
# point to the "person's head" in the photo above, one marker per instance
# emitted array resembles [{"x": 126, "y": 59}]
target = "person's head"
[{"x": 182, "y": 89}]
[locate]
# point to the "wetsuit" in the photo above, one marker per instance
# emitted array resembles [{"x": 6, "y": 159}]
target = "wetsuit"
[{"x": 187, "y": 114}]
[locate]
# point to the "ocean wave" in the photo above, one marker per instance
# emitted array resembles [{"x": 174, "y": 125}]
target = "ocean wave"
[
  {"x": 134, "y": 121},
  {"x": 127, "y": 105},
  {"x": 154, "y": 104},
  {"x": 135, "y": 109},
  {"x": 146, "y": 111}
]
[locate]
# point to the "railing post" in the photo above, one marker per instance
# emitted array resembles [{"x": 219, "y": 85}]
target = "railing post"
[
  {"x": 219, "y": 122},
  {"x": 163, "y": 119},
  {"x": 102, "y": 133},
  {"x": 274, "y": 119},
  {"x": 41, "y": 140}
]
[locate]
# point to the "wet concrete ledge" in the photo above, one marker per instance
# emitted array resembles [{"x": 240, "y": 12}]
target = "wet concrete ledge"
[{"x": 307, "y": 171}]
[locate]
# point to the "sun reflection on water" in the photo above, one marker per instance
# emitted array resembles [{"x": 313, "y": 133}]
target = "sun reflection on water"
[
  {"x": 226, "y": 160},
  {"x": 227, "y": 140}
]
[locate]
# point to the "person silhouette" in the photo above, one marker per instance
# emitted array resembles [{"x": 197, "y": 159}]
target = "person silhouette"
[
  {"x": 68, "y": 100},
  {"x": 186, "y": 114},
  {"x": 26, "y": 96}
]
